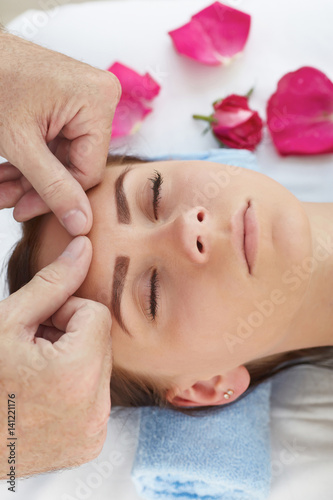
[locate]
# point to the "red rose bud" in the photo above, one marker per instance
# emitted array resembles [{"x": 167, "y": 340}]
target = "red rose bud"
[
  {"x": 132, "y": 107},
  {"x": 300, "y": 113},
  {"x": 234, "y": 124}
]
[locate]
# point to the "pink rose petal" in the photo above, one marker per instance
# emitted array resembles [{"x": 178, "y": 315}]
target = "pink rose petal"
[
  {"x": 228, "y": 28},
  {"x": 192, "y": 41},
  {"x": 132, "y": 107},
  {"x": 300, "y": 113},
  {"x": 214, "y": 35}
]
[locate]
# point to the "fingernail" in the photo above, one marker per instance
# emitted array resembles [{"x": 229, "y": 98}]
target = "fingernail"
[
  {"x": 74, "y": 221},
  {"x": 75, "y": 248}
]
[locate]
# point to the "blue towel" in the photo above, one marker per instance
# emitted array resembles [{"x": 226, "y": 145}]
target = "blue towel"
[
  {"x": 224, "y": 455},
  {"x": 237, "y": 157}
]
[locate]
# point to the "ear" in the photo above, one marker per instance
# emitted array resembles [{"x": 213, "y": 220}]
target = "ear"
[{"x": 211, "y": 392}]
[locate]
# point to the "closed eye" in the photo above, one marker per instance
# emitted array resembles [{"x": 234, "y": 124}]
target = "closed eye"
[
  {"x": 154, "y": 296},
  {"x": 157, "y": 181}
]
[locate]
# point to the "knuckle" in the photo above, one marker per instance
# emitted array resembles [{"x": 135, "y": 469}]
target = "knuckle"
[
  {"x": 99, "y": 440},
  {"x": 115, "y": 86},
  {"x": 100, "y": 310},
  {"x": 53, "y": 189},
  {"x": 48, "y": 276},
  {"x": 98, "y": 176},
  {"x": 95, "y": 176},
  {"x": 93, "y": 454},
  {"x": 104, "y": 316}
]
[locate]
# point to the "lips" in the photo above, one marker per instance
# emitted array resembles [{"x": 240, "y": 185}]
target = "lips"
[
  {"x": 245, "y": 235},
  {"x": 250, "y": 237}
]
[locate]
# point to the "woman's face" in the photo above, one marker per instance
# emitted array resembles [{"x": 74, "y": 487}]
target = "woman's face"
[{"x": 166, "y": 262}]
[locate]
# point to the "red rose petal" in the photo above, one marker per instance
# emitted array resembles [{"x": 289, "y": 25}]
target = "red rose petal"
[
  {"x": 228, "y": 28},
  {"x": 231, "y": 102},
  {"x": 132, "y": 107},
  {"x": 300, "y": 113},
  {"x": 128, "y": 117},
  {"x": 192, "y": 41},
  {"x": 228, "y": 119},
  {"x": 214, "y": 35}
]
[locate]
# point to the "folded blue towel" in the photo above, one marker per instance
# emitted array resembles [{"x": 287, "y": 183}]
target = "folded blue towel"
[{"x": 224, "y": 455}]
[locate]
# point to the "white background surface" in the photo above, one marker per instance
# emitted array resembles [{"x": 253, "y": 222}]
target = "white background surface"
[
  {"x": 9, "y": 9},
  {"x": 284, "y": 36}
]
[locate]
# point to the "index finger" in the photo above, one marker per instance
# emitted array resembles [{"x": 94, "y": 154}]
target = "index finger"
[{"x": 87, "y": 325}]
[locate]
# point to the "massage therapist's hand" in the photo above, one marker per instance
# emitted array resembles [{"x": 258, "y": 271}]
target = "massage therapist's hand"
[
  {"x": 61, "y": 384},
  {"x": 54, "y": 112}
]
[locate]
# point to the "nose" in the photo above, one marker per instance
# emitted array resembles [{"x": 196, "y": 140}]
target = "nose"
[{"x": 191, "y": 234}]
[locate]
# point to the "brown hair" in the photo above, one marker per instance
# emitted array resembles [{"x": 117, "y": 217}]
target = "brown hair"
[{"x": 127, "y": 389}]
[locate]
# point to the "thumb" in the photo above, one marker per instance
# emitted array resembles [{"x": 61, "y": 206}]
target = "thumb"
[
  {"x": 61, "y": 192},
  {"x": 51, "y": 287}
]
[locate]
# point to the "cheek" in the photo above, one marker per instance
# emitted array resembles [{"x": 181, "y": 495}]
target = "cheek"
[
  {"x": 199, "y": 312},
  {"x": 200, "y": 190}
]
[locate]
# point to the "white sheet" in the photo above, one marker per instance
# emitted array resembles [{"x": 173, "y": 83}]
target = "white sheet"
[{"x": 285, "y": 35}]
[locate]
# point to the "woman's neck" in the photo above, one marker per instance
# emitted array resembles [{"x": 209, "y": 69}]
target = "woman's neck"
[{"x": 312, "y": 325}]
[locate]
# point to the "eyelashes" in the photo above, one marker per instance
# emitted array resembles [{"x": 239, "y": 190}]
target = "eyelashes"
[
  {"x": 154, "y": 296},
  {"x": 157, "y": 181}
]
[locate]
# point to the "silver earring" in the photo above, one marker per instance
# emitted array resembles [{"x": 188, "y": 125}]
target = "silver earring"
[{"x": 228, "y": 394}]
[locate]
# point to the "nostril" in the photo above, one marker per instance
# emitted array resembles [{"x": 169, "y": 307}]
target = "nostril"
[
  {"x": 200, "y": 216},
  {"x": 200, "y": 246}
]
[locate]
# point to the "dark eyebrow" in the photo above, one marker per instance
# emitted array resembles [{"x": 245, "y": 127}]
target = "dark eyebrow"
[
  {"x": 124, "y": 216},
  {"x": 122, "y": 263},
  {"x": 119, "y": 275}
]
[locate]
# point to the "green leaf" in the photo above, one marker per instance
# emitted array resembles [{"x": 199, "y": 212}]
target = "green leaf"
[
  {"x": 206, "y": 130},
  {"x": 248, "y": 95},
  {"x": 218, "y": 100},
  {"x": 222, "y": 145}
]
